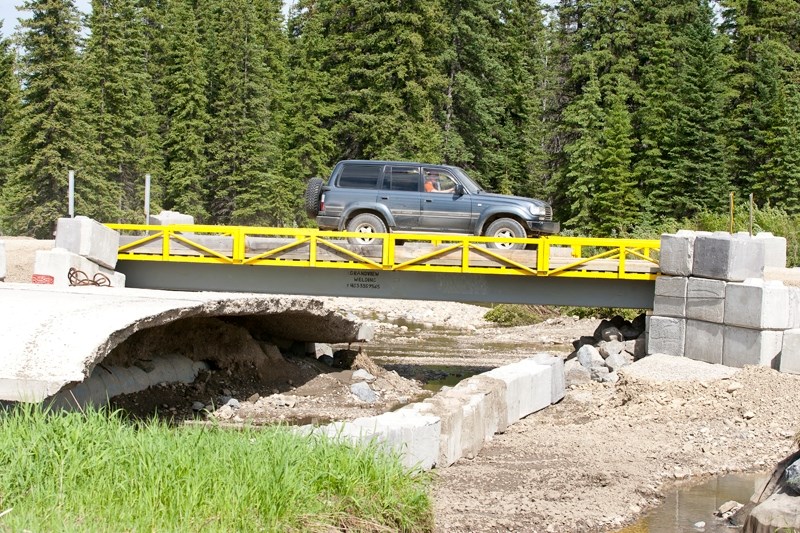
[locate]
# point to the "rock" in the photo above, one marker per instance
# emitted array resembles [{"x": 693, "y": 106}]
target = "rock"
[
  {"x": 326, "y": 359},
  {"x": 617, "y": 361},
  {"x": 588, "y": 356},
  {"x": 584, "y": 340},
  {"x": 363, "y": 375},
  {"x": 254, "y": 398},
  {"x": 728, "y": 509},
  {"x": 612, "y": 334},
  {"x": 574, "y": 372},
  {"x": 344, "y": 358},
  {"x": 700, "y": 525},
  {"x": 363, "y": 392},
  {"x": 598, "y": 373},
  {"x": 233, "y": 403},
  {"x": 608, "y": 348},
  {"x": 734, "y": 386},
  {"x": 629, "y": 332},
  {"x": 598, "y": 332},
  {"x": 198, "y": 406},
  {"x": 639, "y": 323},
  {"x": 636, "y": 347},
  {"x": 793, "y": 476}
]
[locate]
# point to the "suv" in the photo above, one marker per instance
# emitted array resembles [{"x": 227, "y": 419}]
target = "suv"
[{"x": 380, "y": 196}]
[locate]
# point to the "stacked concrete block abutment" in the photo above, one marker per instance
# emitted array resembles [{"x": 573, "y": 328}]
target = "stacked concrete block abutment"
[
  {"x": 458, "y": 421},
  {"x": 82, "y": 244},
  {"x": 712, "y": 303}
]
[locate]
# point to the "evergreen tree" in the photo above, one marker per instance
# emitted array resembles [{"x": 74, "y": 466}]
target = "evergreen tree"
[
  {"x": 9, "y": 106},
  {"x": 51, "y": 135},
  {"x": 186, "y": 114},
  {"x": 616, "y": 203},
  {"x": 121, "y": 103},
  {"x": 243, "y": 152}
]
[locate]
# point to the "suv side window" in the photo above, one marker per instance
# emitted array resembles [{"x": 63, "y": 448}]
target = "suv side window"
[
  {"x": 438, "y": 180},
  {"x": 359, "y": 176},
  {"x": 401, "y": 179}
]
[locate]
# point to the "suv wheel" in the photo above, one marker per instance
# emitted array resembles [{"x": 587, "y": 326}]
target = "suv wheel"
[
  {"x": 313, "y": 194},
  {"x": 365, "y": 223},
  {"x": 505, "y": 227}
]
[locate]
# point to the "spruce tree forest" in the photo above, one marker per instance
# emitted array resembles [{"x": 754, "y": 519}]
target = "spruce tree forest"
[{"x": 630, "y": 116}]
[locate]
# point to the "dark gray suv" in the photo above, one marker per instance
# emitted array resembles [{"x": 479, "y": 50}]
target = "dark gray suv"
[{"x": 381, "y": 196}]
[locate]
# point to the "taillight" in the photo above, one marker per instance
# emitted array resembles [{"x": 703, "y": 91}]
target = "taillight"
[{"x": 322, "y": 202}]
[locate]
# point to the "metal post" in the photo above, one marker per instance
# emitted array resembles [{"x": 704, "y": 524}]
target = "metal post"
[
  {"x": 731, "y": 223},
  {"x": 147, "y": 198},
  {"x": 751, "y": 214},
  {"x": 71, "y": 194}
]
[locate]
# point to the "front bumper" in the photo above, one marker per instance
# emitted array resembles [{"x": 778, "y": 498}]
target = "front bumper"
[{"x": 544, "y": 227}]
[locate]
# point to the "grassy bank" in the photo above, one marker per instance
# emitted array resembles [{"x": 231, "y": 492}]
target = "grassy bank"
[{"x": 96, "y": 472}]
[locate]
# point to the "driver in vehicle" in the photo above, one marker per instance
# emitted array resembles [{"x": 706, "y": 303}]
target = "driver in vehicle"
[{"x": 438, "y": 183}]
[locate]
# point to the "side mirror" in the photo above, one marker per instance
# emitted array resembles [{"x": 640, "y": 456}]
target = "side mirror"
[{"x": 459, "y": 191}]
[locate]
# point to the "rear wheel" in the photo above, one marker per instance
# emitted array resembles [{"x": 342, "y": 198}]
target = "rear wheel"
[
  {"x": 313, "y": 194},
  {"x": 367, "y": 224},
  {"x": 505, "y": 228}
]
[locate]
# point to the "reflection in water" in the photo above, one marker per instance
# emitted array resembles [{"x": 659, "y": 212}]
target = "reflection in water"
[{"x": 686, "y": 506}]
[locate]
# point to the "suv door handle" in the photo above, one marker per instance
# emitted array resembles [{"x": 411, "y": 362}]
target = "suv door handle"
[
  {"x": 428, "y": 200},
  {"x": 384, "y": 197}
]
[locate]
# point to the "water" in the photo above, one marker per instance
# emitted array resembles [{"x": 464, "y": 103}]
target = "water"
[{"x": 686, "y": 506}]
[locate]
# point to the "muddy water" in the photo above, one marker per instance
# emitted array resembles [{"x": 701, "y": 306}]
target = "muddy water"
[{"x": 691, "y": 509}]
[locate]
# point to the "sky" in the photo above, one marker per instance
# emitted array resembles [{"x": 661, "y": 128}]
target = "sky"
[{"x": 9, "y": 13}]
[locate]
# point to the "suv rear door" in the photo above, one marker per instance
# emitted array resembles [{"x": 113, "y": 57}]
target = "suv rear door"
[
  {"x": 400, "y": 192},
  {"x": 442, "y": 208}
]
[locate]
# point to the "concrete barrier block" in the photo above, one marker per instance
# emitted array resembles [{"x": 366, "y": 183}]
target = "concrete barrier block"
[
  {"x": 558, "y": 378},
  {"x": 167, "y": 218},
  {"x": 2, "y": 261},
  {"x": 672, "y": 286},
  {"x": 666, "y": 335},
  {"x": 54, "y": 266},
  {"x": 728, "y": 257},
  {"x": 774, "y": 249},
  {"x": 669, "y": 306},
  {"x": 759, "y": 304},
  {"x": 483, "y": 411},
  {"x": 677, "y": 252},
  {"x": 790, "y": 352},
  {"x": 704, "y": 341},
  {"x": 528, "y": 388},
  {"x": 705, "y": 300},
  {"x": 88, "y": 238},
  {"x": 745, "y": 346},
  {"x": 450, "y": 413}
]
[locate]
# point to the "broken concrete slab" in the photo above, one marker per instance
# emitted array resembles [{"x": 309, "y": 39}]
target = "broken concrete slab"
[
  {"x": 666, "y": 335},
  {"x": 704, "y": 341},
  {"x": 47, "y": 344},
  {"x": 745, "y": 346},
  {"x": 84, "y": 236},
  {"x": 52, "y": 267},
  {"x": 728, "y": 257}
]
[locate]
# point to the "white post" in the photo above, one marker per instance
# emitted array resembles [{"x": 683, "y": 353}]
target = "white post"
[
  {"x": 71, "y": 194},
  {"x": 147, "y": 198}
]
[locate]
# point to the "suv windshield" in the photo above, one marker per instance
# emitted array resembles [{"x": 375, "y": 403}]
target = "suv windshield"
[{"x": 469, "y": 184}]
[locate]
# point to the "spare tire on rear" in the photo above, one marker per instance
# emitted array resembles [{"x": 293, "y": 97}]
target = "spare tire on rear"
[{"x": 313, "y": 194}]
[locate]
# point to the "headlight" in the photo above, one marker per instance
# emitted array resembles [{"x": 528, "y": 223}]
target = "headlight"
[{"x": 537, "y": 210}]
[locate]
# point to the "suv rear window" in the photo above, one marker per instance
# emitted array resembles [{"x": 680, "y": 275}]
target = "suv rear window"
[{"x": 360, "y": 176}]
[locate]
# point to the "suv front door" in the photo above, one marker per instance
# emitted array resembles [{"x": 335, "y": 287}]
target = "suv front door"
[
  {"x": 400, "y": 192},
  {"x": 443, "y": 209}
]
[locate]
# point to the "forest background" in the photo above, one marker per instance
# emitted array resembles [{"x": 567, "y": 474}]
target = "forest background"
[{"x": 629, "y": 116}]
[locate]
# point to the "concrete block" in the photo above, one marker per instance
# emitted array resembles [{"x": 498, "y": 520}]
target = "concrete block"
[
  {"x": 759, "y": 304},
  {"x": 451, "y": 416},
  {"x": 728, "y": 257},
  {"x": 558, "y": 377},
  {"x": 483, "y": 411},
  {"x": 790, "y": 352},
  {"x": 666, "y": 335},
  {"x": 2, "y": 261},
  {"x": 672, "y": 286},
  {"x": 677, "y": 252},
  {"x": 745, "y": 346},
  {"x": 705, "y": 300},
  {"x": 86, "y": 237},
  {"x": 528, "y": 388},
  {"x": 167, "y": 218},
  {"x": 774, "y": 250},
  {"x": 57, "y": 262},
  {"x": 704, "y": 341},
  {"x": 669, "y": 306}
]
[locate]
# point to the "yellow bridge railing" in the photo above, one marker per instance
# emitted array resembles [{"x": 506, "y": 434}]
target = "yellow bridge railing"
[{"x": 580, "y": 257}]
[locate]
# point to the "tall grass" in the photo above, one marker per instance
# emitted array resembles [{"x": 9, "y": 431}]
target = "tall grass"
[{"x": 97, "y": 472}]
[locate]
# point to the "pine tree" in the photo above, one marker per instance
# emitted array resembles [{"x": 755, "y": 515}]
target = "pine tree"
[
  {"x": 9, "y": 106},
  {"x": 243, "y": 158},
  {"x": 51, "y": 134},
  {"x": 186, "y": 113},
  {"x": 616, "y": 204},
  {"x": 121, "y": 103}
]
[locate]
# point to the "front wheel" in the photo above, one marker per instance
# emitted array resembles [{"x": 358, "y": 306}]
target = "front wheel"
[
  {"x": 367, "y": 224},
  {"x": 505, "y": 228}
]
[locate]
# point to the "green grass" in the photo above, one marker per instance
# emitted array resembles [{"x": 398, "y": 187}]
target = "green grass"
[{"x": 94, "y": 471}]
